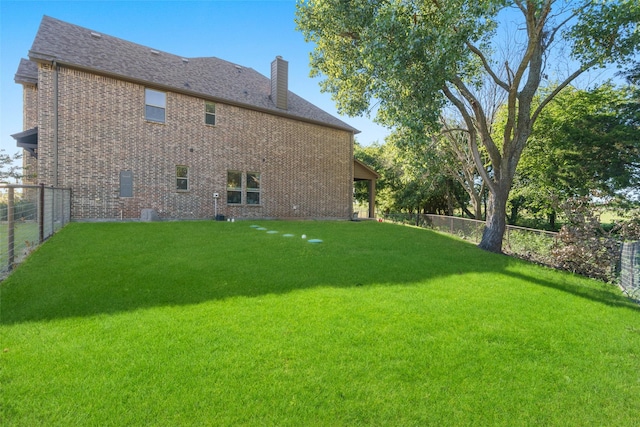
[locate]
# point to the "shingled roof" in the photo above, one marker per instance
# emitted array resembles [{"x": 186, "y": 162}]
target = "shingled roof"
[{"x": 210, "y": 78}]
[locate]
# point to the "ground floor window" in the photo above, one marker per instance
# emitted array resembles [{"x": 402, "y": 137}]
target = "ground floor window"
[
  {"x": 126, "y": 184},
  {"x": 234, "y": 187},
  {"x": 243, "y": 188},
  {"x": 253, "y": 188}
]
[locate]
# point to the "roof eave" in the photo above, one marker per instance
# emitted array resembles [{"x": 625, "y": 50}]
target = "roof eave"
[{"x": 25, "y": 79}]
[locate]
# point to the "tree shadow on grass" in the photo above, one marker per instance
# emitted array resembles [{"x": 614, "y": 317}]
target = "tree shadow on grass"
[
  {"x": 604, "y": 294},
  {"x": 92, "y": 269}
]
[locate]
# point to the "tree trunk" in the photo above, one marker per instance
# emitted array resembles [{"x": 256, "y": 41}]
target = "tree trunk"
[
  {"x": 496, "y": 222},
  {"x": 476, "y": 202},
  {"x": 552, "y": 220}
]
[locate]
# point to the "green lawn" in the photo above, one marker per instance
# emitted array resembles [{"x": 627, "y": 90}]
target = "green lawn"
[
  {"x": 219, "y": 323},
  {"x": 26, "y": 237}
]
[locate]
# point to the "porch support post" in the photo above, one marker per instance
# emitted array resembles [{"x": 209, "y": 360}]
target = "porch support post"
[{"x": 372, "y": 198}]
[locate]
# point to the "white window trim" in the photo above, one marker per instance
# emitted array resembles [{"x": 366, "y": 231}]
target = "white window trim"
[
  {"x": 163, "y": 107},
  {"x": 187, "y": 179},
  {"x": 214, "y": 114}
]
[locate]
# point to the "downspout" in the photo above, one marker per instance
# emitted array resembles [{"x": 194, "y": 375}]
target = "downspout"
[{"x": 55, "y": 124}]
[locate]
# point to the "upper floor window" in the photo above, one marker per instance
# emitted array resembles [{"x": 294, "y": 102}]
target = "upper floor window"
[
  {"x": 155, "y": 105},
  {"x": 210, "y": 113},
  {"x": 182, "y": 178}
]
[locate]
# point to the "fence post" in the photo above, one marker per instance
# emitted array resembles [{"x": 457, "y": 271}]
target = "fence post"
[
  {"x": 53, "y": 212},
  {"x": 11, "y": 229},
  {"x": 41, "y": 215}
]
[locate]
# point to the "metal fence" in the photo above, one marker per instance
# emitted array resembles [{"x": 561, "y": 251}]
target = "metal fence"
[
  {"x": 630, "y": 269},
  {"x": 29, "y": 214},
  {"x": 534, "y": 245}
]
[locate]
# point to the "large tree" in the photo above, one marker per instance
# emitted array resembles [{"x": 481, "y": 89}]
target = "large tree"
[{"x": 412, "y": 58}]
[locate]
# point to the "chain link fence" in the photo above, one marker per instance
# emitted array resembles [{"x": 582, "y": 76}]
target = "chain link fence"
[
  {"x": 534, "y": 245},
  {"x": 630, "y": 269},
  {"x": 29, "y": 214},
  {"x": 527, "y": 243}
]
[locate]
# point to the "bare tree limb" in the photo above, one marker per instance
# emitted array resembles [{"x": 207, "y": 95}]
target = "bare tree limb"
[{"x": 487, "y": 67}]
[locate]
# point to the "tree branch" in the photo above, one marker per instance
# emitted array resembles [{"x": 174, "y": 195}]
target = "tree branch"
[
  {"x": 480, "y": 123},
  {"x": 561, "y": 86},
  {"x": 487, "y": 67},
  {"x": 473, "y": 143}
]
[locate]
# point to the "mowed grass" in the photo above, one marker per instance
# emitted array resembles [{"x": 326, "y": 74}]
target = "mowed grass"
[{"x": 218, "y": 323}]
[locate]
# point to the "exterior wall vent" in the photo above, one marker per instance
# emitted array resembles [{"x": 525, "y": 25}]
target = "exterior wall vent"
[{"x": 280, "y": 82}]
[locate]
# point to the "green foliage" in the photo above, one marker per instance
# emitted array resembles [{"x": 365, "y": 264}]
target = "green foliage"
[
  {"x": 410, "y": 179},
  {"x": 606, "y": 32},
  {"x": 397, "y": 53},
  {"x": 9, "y": 170},
  {"x": 585, "y": 142},
  {"x": 216, "y": 323}
]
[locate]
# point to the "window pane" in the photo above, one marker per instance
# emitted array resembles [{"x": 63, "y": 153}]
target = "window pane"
[
  {"x": 182, "y": 171},
  {"x": 253, "y": 197},
  {"x": 155, "y": 98},
  {"x": 210, "y": 119},
  {"x": 234, "y": 180},
  {"x": 234, "y": 197},
  {"x": 210, "y": 107},
  {"x": 253, "y": 180},
  {"x": 126, "y": 184},
  {"x": 154, "y": 114},
  {"x": 182, "y": 184}
]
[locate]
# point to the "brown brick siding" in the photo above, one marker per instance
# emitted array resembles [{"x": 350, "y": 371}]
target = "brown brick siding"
[
  {"x": 102, "y": 131},
  {"x": 29, "y": 120}
]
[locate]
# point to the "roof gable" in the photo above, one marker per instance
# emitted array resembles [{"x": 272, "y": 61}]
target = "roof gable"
[{"x": 209, "y": 77}]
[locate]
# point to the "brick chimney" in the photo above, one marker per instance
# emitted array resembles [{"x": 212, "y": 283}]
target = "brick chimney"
[{"x": 279, "y": 82}]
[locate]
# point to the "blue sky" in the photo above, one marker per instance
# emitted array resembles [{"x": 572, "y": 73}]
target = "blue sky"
[{"x": 249, "y": 33}]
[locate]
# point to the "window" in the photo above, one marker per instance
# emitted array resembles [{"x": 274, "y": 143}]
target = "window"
[
  {"x": 234, "y": 188},
  {"x": 182, "y": 178},
  {"x": 210, "y": 113},
  {"x": 126, "y": 184},
  {"x": 155, "y": 104},
  {"x": 253, "y": 188}
]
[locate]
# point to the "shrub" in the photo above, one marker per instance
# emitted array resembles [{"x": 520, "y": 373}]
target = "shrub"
[{"x": 585, "y": 247}]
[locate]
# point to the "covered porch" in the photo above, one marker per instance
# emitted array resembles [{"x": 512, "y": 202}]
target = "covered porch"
[{"x": 362, "y": 172}]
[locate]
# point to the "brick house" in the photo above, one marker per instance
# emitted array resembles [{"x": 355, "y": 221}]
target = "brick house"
[{"x": 128, "y": 128}]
